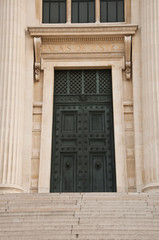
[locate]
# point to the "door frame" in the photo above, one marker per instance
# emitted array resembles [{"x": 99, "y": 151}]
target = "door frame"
[{"x": 47, "y": 118}]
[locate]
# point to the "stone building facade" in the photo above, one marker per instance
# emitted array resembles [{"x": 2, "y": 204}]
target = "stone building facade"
[{"x": 30, "y": 53}]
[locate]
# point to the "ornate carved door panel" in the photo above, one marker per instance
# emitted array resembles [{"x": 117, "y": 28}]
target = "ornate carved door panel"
[{"x": 83, "y": 144}]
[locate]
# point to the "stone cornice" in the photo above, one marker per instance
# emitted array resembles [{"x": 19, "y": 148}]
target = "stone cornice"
[{"x": 83, "y": 31}]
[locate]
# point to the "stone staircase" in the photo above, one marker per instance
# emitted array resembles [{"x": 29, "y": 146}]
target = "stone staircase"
[{"x": 83, "y": 216}]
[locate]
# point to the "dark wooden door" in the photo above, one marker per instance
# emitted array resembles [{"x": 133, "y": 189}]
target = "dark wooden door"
[{"x": 83, "y": 141}]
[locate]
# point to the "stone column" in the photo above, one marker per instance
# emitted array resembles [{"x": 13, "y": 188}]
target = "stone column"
[
  {"x": 12, "y": 55},
  {"x": 150, "y": 93}
]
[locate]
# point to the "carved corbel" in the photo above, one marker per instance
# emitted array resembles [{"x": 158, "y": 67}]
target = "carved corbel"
[
  {"x": 128, "y": 62},
  {"x": 37, "y": 58}
]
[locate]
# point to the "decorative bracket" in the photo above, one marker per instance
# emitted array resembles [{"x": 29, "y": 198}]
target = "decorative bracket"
[
  {"x": 128, "y": 62},
  {"x": 37, "y": 58}
]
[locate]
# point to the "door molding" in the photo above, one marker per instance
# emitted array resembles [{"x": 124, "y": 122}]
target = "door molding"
[{"x": 47, "y": 118}]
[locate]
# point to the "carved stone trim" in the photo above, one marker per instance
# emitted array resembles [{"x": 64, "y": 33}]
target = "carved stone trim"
[
  {"x": 128, "y": 62},
  {"x": 37, "y": 58},
  {"x": 37, "y": 108},
  {"x": 128, "y": 103},
  {"x": 88, "y": 98},
  {"x": 85, "y": 39},
  {"x": 95, "y": 47},
  {"x": 128, "y": 107}
]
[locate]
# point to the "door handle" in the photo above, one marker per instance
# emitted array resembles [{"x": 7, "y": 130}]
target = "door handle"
[
  {"x": 98, "y": 165},
  {"x": 67, "y": 165}
]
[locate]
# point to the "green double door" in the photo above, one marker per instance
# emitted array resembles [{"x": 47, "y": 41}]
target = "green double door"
[{"x": 83, "y": 139}]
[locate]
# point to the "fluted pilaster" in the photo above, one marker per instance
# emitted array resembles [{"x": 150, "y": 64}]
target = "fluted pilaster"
[
  {"x": 150, "y": 92},
  {"x": 12, "y": 46}
]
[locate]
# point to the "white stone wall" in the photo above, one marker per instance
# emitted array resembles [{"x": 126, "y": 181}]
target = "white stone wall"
[{"x": 23, "y": 108}]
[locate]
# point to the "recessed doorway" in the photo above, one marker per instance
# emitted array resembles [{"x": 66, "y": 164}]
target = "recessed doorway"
[{"x": 83, "y": 158}]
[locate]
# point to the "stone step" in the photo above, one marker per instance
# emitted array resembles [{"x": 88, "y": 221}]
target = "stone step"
[
  {"x": 96, "y": 200},
  {"x": 77, "y": 227},
  {"x": 115, "y": 214},
  {"x": 34, "y": 219},
  {"x": 43, "y": 209},
  {"x": 86, "y": 237},
  {"x": 36, "y": 232},
  {"x": 81, "y": 207},
  {"x": 56, "y": 214},
  {"x": 88, "y": 204},
  {"x": 85, "y": 215},
  {"x": 82, "y": 232},
  {"x": 68, "y": 203},
  {"x": 81, "y": 211},
  {"x": 101, "y": 220},
  {"x": 79, "y": 204},
  {"x": 76, "y": 207},
  {"x": 84, "y": 196},
  {"x": 83, "y": 220},
  {"x": 116, "y": 232},
  {"x": 113, "y": 227},
  {"x": 150, "y": 194},
  {"x": 114, "y": 209}
]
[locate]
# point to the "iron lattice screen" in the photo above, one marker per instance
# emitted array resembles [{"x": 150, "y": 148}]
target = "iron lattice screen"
[{"x": 83, "y": 82}]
